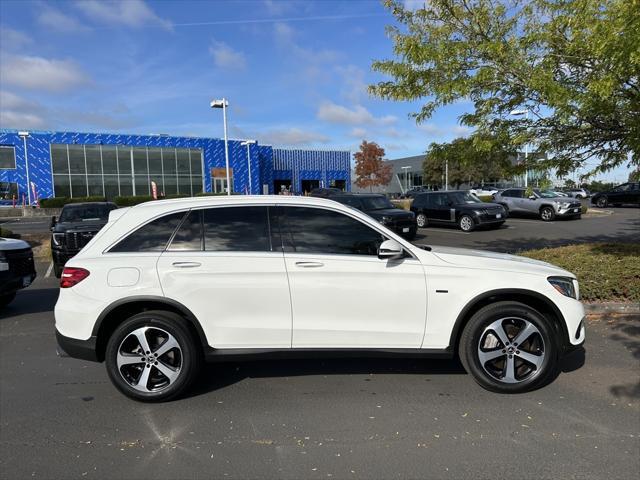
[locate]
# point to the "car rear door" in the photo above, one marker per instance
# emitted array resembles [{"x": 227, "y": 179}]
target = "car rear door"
[
  {"x": 222, "y": 266},
  {"x": 439, "y": 208},
  {"x": 343, "y": 295}
]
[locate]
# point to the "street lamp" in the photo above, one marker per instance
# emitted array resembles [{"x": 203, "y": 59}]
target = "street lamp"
[
  {"x": 524, "y": 111},
  {"x": 248, "y": 143},
  {"x": 406, "y": 178},
  {"x": 24, "y": 136},
  {"x": 223, "y": 104}
]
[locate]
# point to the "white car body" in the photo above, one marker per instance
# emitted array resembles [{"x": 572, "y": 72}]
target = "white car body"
[
  {"x": 270, "y": 300},
  {"x": 484, "y": 192}
]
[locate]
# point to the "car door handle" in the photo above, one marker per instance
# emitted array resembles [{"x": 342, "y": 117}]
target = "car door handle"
[
  {"x": 186, "y": 264},
  {"x": 309, "y": 264}
]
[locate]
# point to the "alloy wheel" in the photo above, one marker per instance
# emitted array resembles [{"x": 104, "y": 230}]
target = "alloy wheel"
[
  {"x": 511, "y": 350},
  {"x": 546, "y": 214},
  {"x": 466, "y": 223},
  {"x": 421, "y": 220},
  {"x": 149, "y": 359}
]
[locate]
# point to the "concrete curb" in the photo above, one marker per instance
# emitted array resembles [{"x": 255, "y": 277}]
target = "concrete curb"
[
  {"x": 612, "y": 308},
  {"x": 593, "y": 211}
]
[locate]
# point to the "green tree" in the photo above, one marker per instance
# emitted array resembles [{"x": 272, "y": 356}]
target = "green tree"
[
  {"x": 573, "y": 64},
  {"x": 473, "y": 159},
  {"x": 635, "y": 175},
  {"x": 371, "y": 169}
]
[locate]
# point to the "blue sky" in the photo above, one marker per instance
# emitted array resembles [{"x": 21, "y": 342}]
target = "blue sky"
[{"x": 295, "y": 72}]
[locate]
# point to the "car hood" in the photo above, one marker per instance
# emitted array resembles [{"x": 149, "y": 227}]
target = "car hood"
[
  {"x": 62, "y": 227},
  {"x": 12, "y": 244},
  {"x": 496, "y": 261}
]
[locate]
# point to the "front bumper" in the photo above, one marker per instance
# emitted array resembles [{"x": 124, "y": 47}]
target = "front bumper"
[
  {"x": 73, "y": 347},
  {"x": 569, "y": 212},
  {"x": 61, "y": 257}
]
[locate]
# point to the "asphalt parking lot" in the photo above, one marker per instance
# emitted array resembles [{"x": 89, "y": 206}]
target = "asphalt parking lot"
[{"x": 366, "y": 418}]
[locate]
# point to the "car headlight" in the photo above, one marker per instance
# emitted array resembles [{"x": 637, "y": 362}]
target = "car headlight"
[
  {"x": 57, "y": 238},
  {"x": 386, "y": 220},
  {"x": 565, "y": 286},
  {"x": 565, "y": 205}
]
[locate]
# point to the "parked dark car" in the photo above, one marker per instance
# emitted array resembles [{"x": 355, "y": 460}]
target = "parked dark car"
[
  {"x": 17, "y": 269},
  {"x": 325, "y": 192},
  {"x": 628, "y": 193},
  {"x": 77, "y": 225},
  {"x": 379, "y": 207},
  {"x": 456, "y": 208},
  {"x": 412, "y": 192}
]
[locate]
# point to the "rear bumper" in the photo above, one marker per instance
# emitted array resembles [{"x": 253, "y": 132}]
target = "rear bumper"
[
  {"x": 72, "y": 347},
  {"x": 10, "y": 283}
]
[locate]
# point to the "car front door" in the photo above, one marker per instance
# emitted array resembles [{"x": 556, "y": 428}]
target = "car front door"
[
  {"x": 342, "y": 294},
  {"x": 221, "y": 265}
]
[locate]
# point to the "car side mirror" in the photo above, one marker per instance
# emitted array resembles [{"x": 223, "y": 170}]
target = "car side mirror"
[
  {"x": 390, "y": 250},
  {"x": 54, "y": 220}
]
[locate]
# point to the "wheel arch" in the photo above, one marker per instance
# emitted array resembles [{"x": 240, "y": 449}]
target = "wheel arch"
[
  {"x": 118, "y": 311},
  {"x": 530, "y": 298},
  {"x": 544, "y": 205}
]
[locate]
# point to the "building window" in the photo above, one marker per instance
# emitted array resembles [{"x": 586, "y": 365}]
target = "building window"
[
  {"x": 8, "y": 190},
  {"x": 7, "y": 157},
  {"x": 109, "y": 170}
]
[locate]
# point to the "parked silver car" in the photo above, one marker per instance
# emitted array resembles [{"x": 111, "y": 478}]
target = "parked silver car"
[{"x": 545, "y": 204}]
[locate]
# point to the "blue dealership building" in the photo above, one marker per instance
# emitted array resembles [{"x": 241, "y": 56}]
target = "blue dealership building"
[{"x": 43, "y": 164}]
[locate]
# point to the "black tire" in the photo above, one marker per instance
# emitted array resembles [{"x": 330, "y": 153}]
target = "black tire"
[
  {"x": 466, "y": 223},
  {"x": 57, "y": 269},
  {"x": 421, "y": 220},
  {"x": 547, "y": 214},
  {"x": 601, "y": 202},
  {"x": 189, "y": 356},
  {"x": 506, "y": 208},
  {"x": 474, "y": 332},
  {"x": 6, "y": 299}
]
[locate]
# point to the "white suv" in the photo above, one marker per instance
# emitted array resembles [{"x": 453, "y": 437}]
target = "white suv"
[{"x": 168, "y": 284}]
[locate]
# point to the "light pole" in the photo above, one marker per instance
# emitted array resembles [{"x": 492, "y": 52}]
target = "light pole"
[
  {"x": 24, "y": 136},
  {"x": 248, "y": 143},
  {"x": 223, "y": 104},
  {"x": 524, "y": 112},
  {"x": 446, "y": 175},
  {"x": 406, "y": 178}
]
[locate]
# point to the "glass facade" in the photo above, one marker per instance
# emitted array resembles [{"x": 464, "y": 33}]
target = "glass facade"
[
  {"x": 112, "y": 170},
  {"x": 7, "y": 156}
]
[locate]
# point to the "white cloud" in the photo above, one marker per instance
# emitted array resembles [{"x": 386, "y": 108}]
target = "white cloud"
[
  {"x": 130, "y": 13},
  {"x": 226, "y": 57},
  {"x": 354, "y": 88},
  {"x": 333, "y": 113},
  {"x": 285, "y": 37},
  {"x": 54, "y": 19},
  {"x": 358, "y": 132},
  {"x": 434, "y": 130},
  {"x": 11, "y": 39},
  {"x": 414, "y": 5},
  {"x": 11, "y": 119},
  {"x": 292, "y": 137},
  {"x": 42, "y": 74},
  {"x": 278, "y": 7}
]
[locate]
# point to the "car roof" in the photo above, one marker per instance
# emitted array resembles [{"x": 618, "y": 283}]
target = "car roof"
[{"x": 87, "y": 204}]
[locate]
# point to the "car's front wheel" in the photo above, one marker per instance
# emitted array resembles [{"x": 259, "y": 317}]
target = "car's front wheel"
[
  {"x": 509, "y": 347},
  {"x": 421, "y": 220},
  {"x": 152, "y": 356},
  {"x": 601, "y": 202},
  {"x": 547, "y": 214},
  {"x": 466, "y": 223}
]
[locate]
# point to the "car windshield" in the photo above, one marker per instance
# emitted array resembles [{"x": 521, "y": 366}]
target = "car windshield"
[
  {"x": 545, "y": 193},
  {"x": 463, "y": 197},
  {"x": 87, "y": 213},
  {"x": 375, "y": 203}
]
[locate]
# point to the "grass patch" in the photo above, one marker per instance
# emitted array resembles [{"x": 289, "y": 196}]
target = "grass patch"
[{"x": 607, "y": 272}]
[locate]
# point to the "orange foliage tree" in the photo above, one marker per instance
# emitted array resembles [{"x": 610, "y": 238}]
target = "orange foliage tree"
[{"x": 371, "y": 169}]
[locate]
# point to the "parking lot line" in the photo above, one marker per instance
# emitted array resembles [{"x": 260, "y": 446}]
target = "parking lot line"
[
  {"x": 444, "y": 230},
  {"x": 46, "y": 275},
  {"x": 519, "y": 220}
]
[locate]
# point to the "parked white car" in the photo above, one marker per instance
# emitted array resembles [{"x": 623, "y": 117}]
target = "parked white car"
[
  {"x": 481, "y": 191},
  {"x": 166, "y": 284}
]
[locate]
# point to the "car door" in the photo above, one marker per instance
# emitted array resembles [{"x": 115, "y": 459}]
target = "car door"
[
  {"x": 221, "y": 265},
  {"x": 438, "y": 208},
  {"x": 507, "y": 198},
  {"x": 342, "y": 294}
]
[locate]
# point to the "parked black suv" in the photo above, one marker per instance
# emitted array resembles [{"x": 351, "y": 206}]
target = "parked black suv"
[
  {"x": 379, "y": 207},
  {"x": 325, "y": 192},
  {"x": 456, "y": 207},
  {"x": 17, "y": 269},
  {"x": 625, "y": 193},
  {"x": 77, "y": 225}
]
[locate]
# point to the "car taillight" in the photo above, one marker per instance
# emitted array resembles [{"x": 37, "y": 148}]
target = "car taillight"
[{"x": 72, "y": 276}]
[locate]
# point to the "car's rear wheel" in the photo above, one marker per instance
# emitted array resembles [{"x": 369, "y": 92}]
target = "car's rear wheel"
[
  {"x": 601, "y": 202},
  {"x": 466, "y": 223},
  {"x": 421, "y": 220},
  {"x": 7, "y": 299},
  {"x": 509, "y": 347},
  {"x": 152, "y": 356},
  {"x": 547, "y": 214}
]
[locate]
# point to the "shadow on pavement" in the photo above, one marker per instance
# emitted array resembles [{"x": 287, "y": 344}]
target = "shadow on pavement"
[
  {"x": 31, "y": 300},
  {"x": 627, "y": 332},
  {"x": 219, "y": 375}
]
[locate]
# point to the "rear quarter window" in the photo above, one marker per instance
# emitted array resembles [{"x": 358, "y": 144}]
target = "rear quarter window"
[{"x": 152, "y": 237}]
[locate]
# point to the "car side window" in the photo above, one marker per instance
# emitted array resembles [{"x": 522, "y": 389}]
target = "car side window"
[
  {"x": 236, "y": 229},
  {"x": 440, "y": 200},
  {"x": 152, "y": 237},
  {"x": 350, "y": 201},
  {"x": 315, "y": 230},
  {"x": 188, "y": 237},
  {"x": 421, "y": 201},
  {"x": 622, "y": 188}
]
